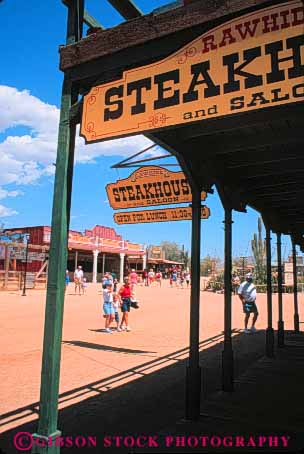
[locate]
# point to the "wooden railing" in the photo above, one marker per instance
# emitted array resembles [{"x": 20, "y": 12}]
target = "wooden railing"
[{"x": 13, "y": 280}]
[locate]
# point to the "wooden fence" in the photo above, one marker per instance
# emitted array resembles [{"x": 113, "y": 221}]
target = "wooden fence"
[{"x": 14, "y": 280}]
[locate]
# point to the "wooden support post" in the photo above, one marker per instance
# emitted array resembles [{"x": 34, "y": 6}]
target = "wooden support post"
[
  {"x": 56, "y": 286},
  {"x": 76, "y": 260},
  {"x": 6, "y": 267},
  {"x": 295, "y": 288},
  {"x": 103, "y": 263},
  {"x": 280, "y": 293},
  {"x": 95, "y": 265},
  {"x": 121, "y": 267},
  {"x": 193, "y": 377},
  {"x": 227, "y": 354},
  {"x": 269, "y": 330}
]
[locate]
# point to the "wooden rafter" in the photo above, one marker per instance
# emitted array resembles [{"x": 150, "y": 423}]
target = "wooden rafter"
[{"x": 126, "y": 8}]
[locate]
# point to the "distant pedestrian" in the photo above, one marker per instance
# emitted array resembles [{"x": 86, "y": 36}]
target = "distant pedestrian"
[
  {"x": 188, "y": 278},
  {"x": 182, "y": 279},
  {"x": 174, "y": 278},
  {"x": 158, "y": 277},
  {"x": 145, "y": 277},
  {"x": 67, "y": 278},
  {"x": 247, "y": 294},
  {"x": 78, "y": 278},
  {"x": 133, "y": 279},
  {"x": 151, "y": 276}
]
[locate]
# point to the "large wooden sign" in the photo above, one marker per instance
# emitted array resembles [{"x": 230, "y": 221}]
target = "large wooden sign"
[
  {"x": 251, "y": 62},
  {"x": 164, "y": 215},
  {"x": 150, "y": 186}
]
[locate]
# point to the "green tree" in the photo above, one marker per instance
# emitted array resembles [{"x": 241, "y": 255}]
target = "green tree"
[
  {"x": 209, "y": 265},
  {"x": 258, "y": 246},
  {"x": 172, "y": 251}
]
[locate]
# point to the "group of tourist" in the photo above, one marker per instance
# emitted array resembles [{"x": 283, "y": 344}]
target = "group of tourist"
[
  {"x": 114, "y": 299},
  {"x": 179, "y": 277},
  {"x": 125, "y": 297}
]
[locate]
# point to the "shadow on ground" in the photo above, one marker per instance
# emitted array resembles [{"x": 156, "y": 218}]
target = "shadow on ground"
[
  {"x": 105, "y": 347},
  {"x": 149, "y": 399}
]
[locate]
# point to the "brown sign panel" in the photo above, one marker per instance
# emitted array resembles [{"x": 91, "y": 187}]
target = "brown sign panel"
[
  {"x": 251, "y": 62},
  {"x": 164, "y": 215},
  {"x": 150, "y": 186}
]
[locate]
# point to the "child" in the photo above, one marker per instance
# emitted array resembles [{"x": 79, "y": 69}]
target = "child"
[
  {"x": 116, "y": 306},
  {"x": 84, "y": 285},
  {"x": 108, "y": 308}
]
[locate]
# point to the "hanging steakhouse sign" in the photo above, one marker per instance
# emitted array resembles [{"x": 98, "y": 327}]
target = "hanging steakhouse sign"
[
  {"x": 251, "y": 62},
  {"x": 165, "y": 215},
  {"x": 150, "y": 186}
]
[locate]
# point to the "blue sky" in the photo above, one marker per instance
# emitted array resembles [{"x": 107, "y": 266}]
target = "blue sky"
[{"x": 30, "y": 88}]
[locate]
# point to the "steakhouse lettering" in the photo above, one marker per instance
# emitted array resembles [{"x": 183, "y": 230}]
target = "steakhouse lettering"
[
  {"x": 203, "y": 84},
  {"x": 147, "y": 191}
]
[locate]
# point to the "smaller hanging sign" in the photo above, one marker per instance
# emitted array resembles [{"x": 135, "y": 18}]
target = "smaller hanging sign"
[
  {"x": 150, "y": 186},
  {"x": 164, "y": 215}
]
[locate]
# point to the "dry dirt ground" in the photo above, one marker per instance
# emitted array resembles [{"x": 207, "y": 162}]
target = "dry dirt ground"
[{"x": 108, "y": 381}]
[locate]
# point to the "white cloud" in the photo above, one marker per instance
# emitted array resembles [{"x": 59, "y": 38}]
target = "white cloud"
[
  {"x": 4, "y": 193},
  {"x": 5, "y": 211},
  {"x": 24, "y": 159}
]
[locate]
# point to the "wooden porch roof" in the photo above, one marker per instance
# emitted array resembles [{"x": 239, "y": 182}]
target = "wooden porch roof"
[{"x": 254, "y": 158}]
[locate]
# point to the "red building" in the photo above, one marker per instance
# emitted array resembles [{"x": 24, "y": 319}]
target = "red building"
[{"x": 97, "y": 250}]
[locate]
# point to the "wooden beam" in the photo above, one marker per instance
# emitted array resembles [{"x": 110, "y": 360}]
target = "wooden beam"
[
  {"x": 253, "y": 143},
  {"x": 76, "y": 112},
  {"x": 90, "y": 21},
  {"x": 276, "y": 172},
  {"x": 258, "y": 186},
  {"x": 258, "y": 163},
  {"x": 278, "y": 194},
  {"x": 75, "y": 20},
  {"x": 126, "y": 8},
  {"x": 150, "y": 27}
]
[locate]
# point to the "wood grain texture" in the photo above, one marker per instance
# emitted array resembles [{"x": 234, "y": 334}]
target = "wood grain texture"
[{"x": 151, "y": 27}]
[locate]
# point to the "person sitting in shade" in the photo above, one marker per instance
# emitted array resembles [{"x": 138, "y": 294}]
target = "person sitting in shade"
[{"x": 247, "y": 294}]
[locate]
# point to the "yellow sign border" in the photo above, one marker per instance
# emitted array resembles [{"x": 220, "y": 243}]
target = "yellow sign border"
[
  {"x": 161, "y": 215},
  {"x": 234, "y": 63},
  {"x": 150, "y": 186}
]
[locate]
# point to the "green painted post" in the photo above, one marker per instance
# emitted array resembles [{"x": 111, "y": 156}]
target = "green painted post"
[
  {"x": 227, "y": 353},
  {"x": 280, "y": 338},
  {"x": 45, "y": 439},
  {"x": 47, "y": 428},
  {"x": 193, "y": 371},
  {"x": 295, "y": 288},
  {"x": 269, "y": 330}
]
